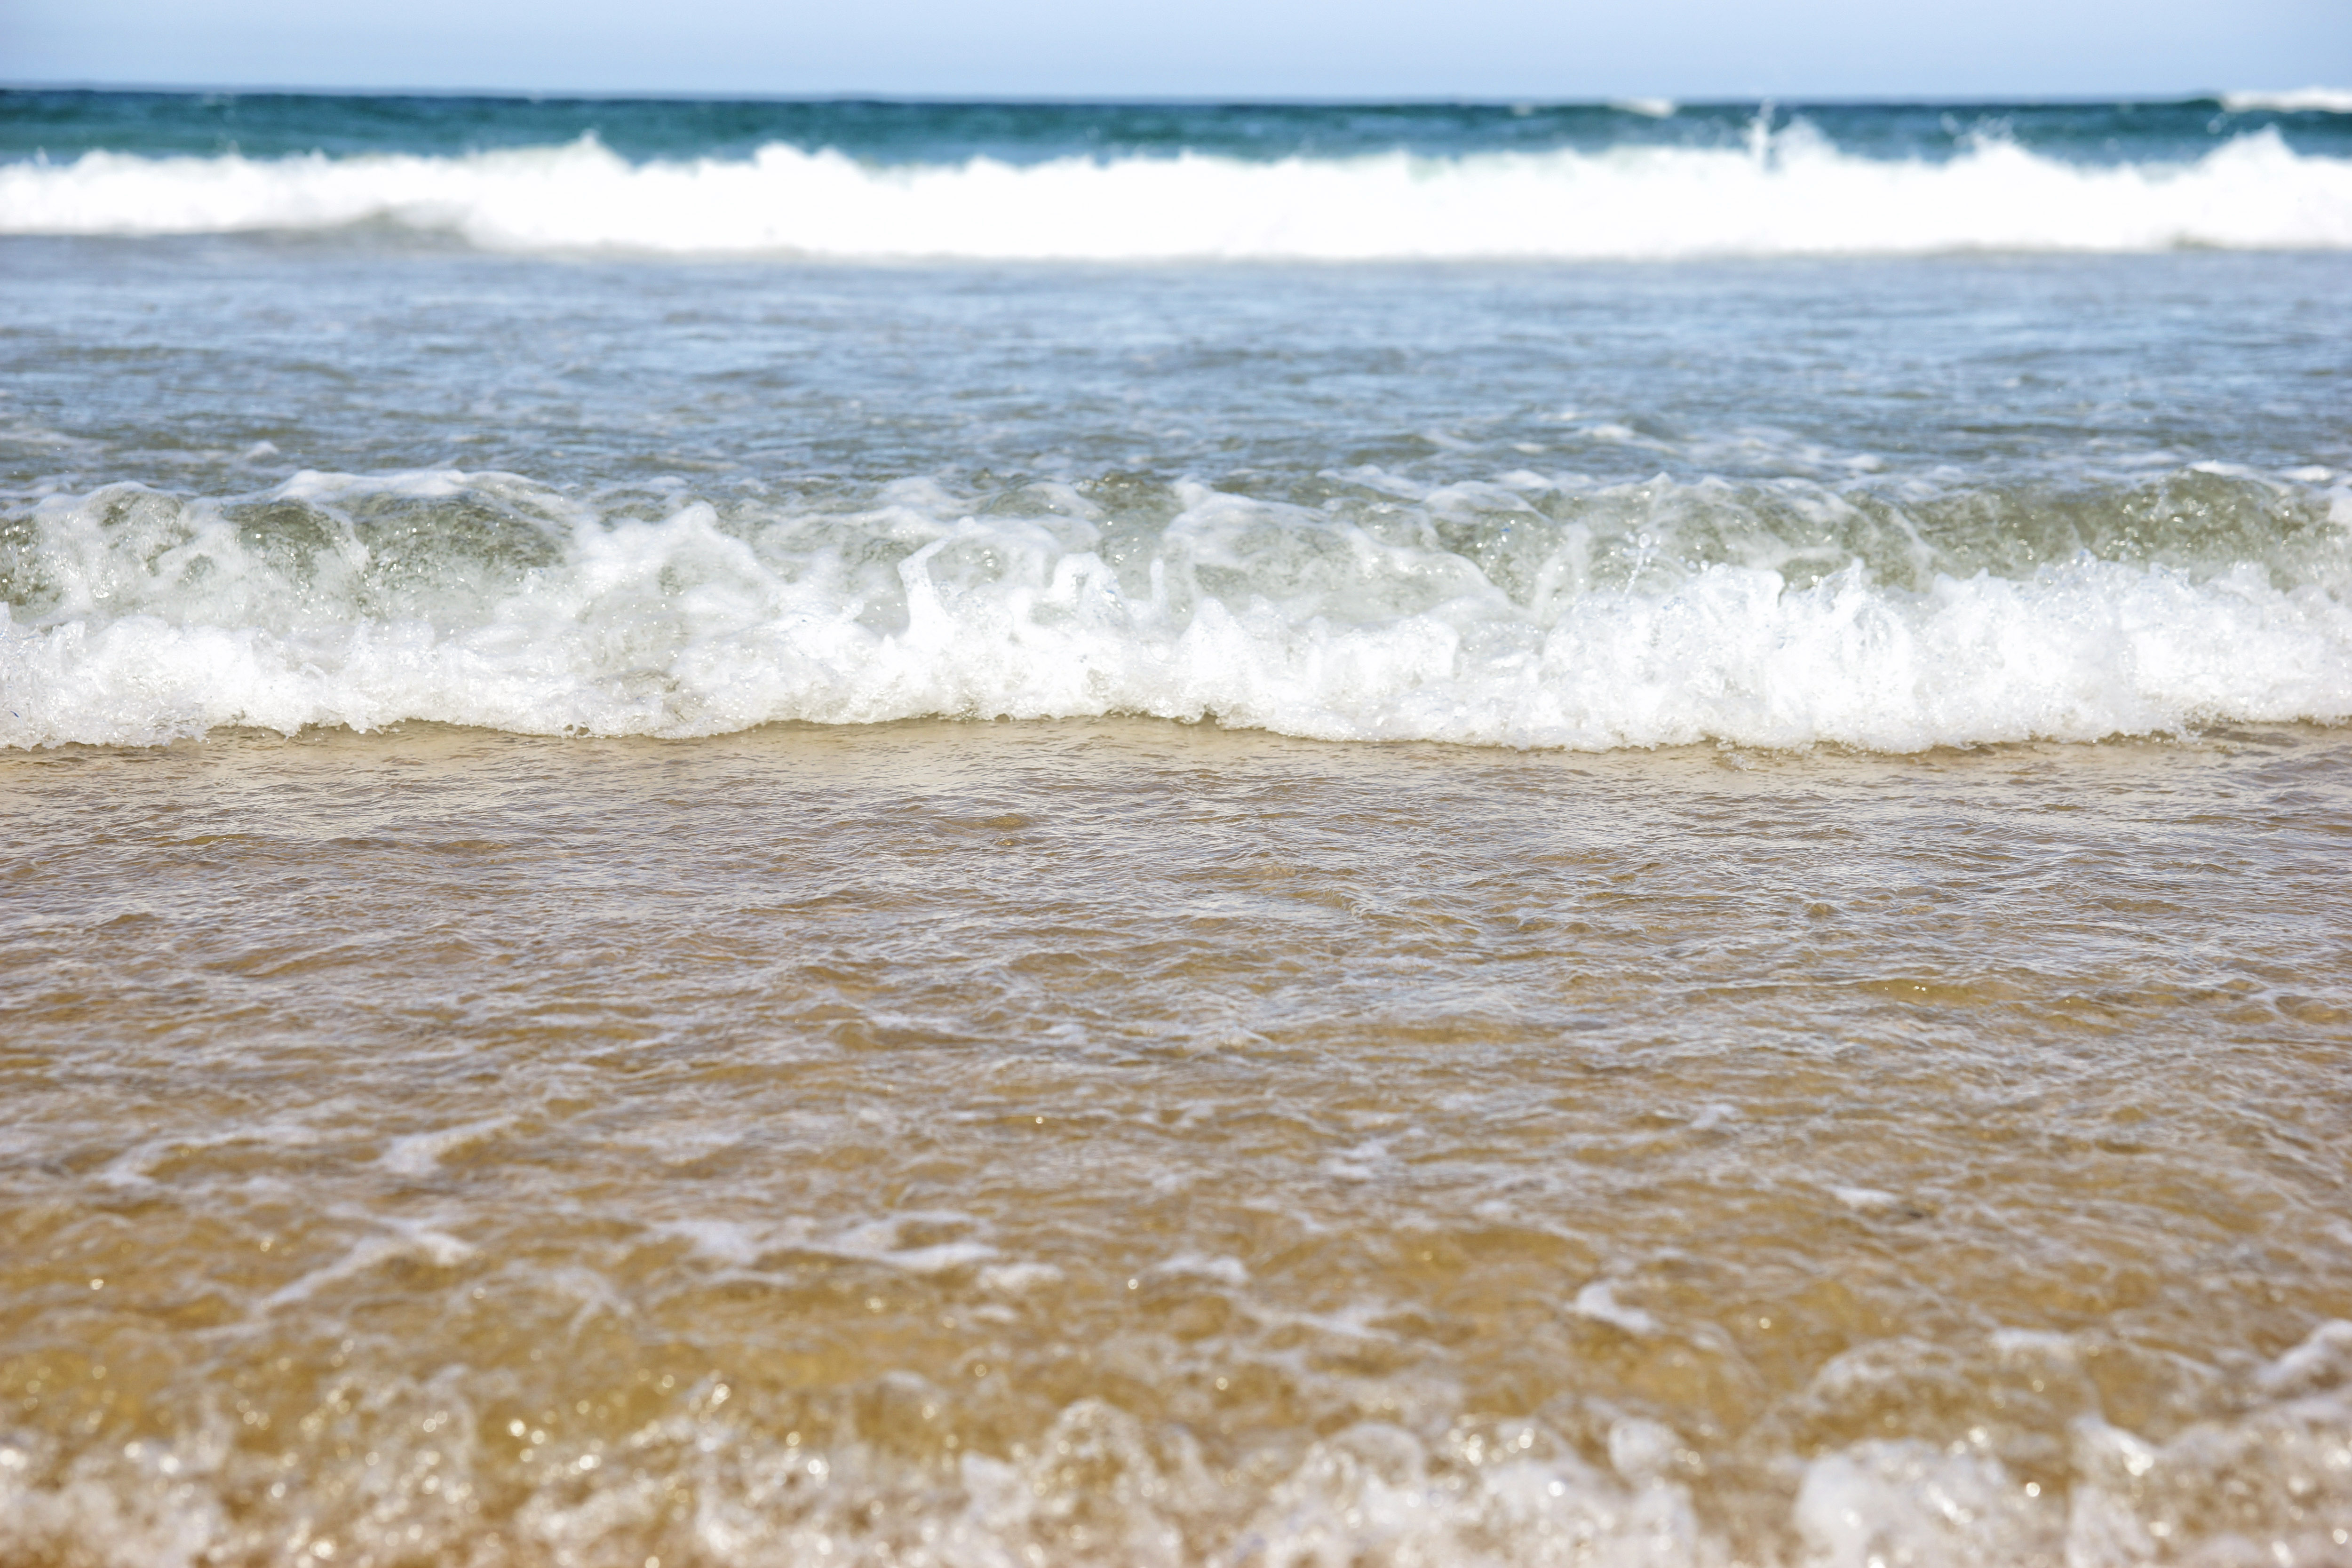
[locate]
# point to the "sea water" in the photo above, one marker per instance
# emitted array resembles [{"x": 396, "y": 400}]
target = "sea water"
[{"x": 798, "y": 832}]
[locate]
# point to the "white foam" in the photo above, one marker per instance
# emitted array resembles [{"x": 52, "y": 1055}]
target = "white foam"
[
  {"x": 727, "y": 1241},
  {"x": 159, "y": 619},
  {"x": 1912, "y": 1502},
  {"x": 883, "y": 1241},
  {"x": 1017, "y": 1278},
  {"x": 1599, "y": 1303},
  {"x": 738, "y": 1245},
  {"x": 1504, "y": 1493},
  {"x": 2324, "y": 1360},
  {"x": 412, "y": 1239},
  {"x": 1793, "y": 193},
  {"x": 2296, "y": 101},
  {"x": 421, "y": 1153},
  {"x": 1219, "y": 1270},
  {"x": 1866, "y": 1200}
]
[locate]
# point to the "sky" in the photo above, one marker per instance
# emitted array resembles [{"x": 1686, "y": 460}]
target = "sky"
[{"x": 1194, "y": 49}]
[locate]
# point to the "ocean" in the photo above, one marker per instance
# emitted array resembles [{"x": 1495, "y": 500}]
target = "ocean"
[{"x": 1388, "y": 836}]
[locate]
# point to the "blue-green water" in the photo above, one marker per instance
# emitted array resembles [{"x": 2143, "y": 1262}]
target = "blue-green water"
[{"x": 65, "y": 124}]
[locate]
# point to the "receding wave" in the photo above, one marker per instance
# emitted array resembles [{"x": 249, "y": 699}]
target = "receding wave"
[
  {"x": 1791, "y": 193},
  {"x": 1518, "y": 612}
]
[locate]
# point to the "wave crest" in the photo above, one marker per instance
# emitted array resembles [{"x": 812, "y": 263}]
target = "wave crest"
[
  {"x": 1792, "y": 193},
  {"x": 480, "y": 600},
  {"x": 2296, "y": 101}
]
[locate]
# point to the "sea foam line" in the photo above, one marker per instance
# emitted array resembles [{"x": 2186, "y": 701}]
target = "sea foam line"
[{"x": 1794, "y": 194}]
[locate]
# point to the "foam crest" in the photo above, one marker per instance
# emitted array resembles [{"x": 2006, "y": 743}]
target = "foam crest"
[
  {"x": 1793, "y": 193},
  {"x": 2295, "y": 100},
  {"x": 138, "y": 617}
]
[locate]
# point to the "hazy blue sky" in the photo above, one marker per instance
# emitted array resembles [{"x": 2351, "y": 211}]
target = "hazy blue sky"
[{"x": 1488, "y": 49}]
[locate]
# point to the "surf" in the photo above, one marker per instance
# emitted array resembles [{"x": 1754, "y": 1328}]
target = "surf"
[
  {"x": 1622, "y": 616},
  {"x": 1789, "y": 193}
]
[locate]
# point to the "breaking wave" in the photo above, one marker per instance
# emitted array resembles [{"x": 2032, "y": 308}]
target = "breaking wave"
[
  {"x": 1793, "y": 193},
  {"x": 2296, "y": 101},
  {"x": 1516, "y": 613}
]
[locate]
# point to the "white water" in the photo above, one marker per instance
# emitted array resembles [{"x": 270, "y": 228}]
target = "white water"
[
  {"x": 1512, "y": 1493},
  {"x": 2296, "y": 101},
  {"x": 1792, "y": 193},
  {"x": 156, "y": 621}
]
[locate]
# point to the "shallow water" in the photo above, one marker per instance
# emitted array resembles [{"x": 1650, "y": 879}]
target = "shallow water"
[{"x": 1120, "y": 1141}]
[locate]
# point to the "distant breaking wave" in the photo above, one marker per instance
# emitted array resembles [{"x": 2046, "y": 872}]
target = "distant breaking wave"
[
  {"x": 1791, "y": 193},
  {"x": 2298, "y": 100}
]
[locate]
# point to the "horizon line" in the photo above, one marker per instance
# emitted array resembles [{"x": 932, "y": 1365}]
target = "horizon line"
[{"x": 1209, "y": 100}]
